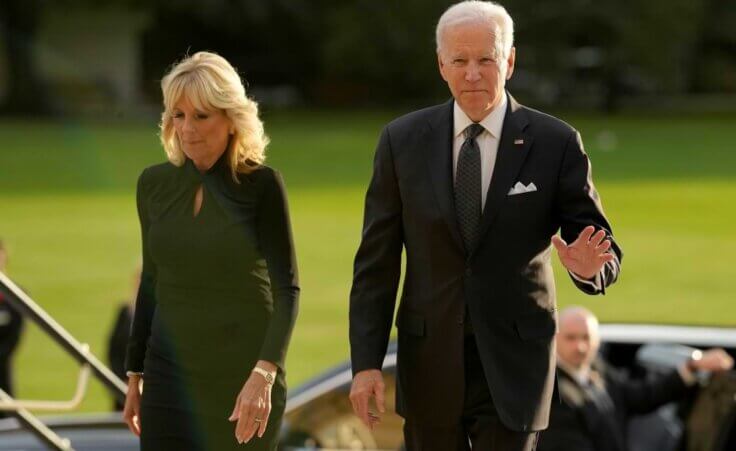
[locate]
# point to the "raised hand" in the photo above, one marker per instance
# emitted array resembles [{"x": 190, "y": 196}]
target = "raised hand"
[{"x": 586, "y": 255}]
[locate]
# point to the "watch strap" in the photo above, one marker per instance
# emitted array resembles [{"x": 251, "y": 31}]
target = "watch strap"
[{"x": 269, "y": 376}]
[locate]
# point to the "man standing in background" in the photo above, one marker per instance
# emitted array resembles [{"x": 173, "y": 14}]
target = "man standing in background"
[
  {"x": 598, "y": 400},
  {"x": 117, "y": 341},
  {"x": 11, "y": 326},
  {"x": 474, "y": 191}
]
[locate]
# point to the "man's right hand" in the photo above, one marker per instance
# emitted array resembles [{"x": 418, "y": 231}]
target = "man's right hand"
[
  {"x": 368, "y": 384},
  {"x": 132, "y": 409}
]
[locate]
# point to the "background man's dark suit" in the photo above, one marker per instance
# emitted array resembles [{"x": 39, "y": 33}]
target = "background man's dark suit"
[
  {"x": 11, "y": 327},
  {"x": 506, "y": 280},
  {"x": 117, "y": 344},
  {"x": 594, "y": 417}
]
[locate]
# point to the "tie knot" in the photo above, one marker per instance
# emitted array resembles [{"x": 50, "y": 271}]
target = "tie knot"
[{"x": 473, "y": 130}]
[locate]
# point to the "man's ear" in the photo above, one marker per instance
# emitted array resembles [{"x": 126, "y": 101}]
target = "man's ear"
[
  {"x": 441, "y": 65},
  {"x": 510, "y": 63}
]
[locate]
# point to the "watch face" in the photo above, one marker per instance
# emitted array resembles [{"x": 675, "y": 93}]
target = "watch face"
[{"x": 266, "y": 375}]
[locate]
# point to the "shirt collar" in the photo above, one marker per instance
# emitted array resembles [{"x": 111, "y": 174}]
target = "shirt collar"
[
  {"x": 492, "y": 123},
  {"x": 581, "y": 376}
]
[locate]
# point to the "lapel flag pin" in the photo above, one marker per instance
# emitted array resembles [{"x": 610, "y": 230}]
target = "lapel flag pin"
[{"x": 518, "y": 141}]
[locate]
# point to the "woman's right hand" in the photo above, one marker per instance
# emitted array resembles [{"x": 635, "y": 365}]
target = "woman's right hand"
[{"x": 132, "y": 409}]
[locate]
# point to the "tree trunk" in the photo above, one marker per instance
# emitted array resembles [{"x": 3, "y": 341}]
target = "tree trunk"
[{"x": 25, "y": 94}]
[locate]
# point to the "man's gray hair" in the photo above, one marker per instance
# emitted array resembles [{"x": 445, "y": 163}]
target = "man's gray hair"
[
  {"x": 580, "y": 312},
  {"x": 476, "y": 11}
]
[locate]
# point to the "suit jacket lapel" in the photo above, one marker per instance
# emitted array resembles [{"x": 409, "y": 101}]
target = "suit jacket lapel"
[
  {"x": 438, "y": 141},
  {"x": 512, "y": 151}
]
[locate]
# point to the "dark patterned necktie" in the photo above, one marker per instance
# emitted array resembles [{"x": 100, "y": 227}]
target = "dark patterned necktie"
[{"x": 468, "y": 196}]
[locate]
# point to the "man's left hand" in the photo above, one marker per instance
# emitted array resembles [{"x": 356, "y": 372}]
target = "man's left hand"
[
  {"x": 585, "y": 256},
  {"x": 715, "y": 360}
]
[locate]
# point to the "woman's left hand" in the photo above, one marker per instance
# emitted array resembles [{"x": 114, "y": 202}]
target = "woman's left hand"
[{"x": 253, "y": 405}]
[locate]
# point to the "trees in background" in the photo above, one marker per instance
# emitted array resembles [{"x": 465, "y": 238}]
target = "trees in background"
[
  {"x": 581, "y": 53},
  {"x": 25, "y": 93}
]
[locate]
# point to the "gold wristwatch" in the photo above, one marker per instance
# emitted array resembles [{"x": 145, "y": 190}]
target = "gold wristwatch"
[{"x": 269, "y": 376}]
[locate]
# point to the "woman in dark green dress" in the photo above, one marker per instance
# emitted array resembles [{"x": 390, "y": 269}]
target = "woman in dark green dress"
[{"x": 219, "y": 289}]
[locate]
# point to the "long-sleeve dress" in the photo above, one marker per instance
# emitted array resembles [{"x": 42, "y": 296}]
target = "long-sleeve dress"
[{"x": 219, "y": 291}]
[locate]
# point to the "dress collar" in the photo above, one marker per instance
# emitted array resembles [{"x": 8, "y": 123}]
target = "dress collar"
[{"x": 195, "y": 174}]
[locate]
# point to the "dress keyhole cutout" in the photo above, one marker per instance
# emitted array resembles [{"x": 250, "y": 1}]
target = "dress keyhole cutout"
[{"x": 198, "y": 198}]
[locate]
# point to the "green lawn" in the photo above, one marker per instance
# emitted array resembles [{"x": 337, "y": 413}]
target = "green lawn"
[{"x": 67, "y": 211}]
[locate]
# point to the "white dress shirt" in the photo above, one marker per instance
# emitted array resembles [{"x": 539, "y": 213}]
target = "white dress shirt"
[
  {"x": 487, "y": 141},
  {"x": 580, "y": 375}
]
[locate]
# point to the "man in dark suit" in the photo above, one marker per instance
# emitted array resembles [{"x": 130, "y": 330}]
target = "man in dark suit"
[
  {"x": 11, "y": 327},
  {"x": 597, "y": 400},
  {"x": 117, "y": 341},
  {"x": 473, "y": 190}
]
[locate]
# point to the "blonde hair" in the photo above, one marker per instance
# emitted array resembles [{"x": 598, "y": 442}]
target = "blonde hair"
[{"x": 210, "y": 82}]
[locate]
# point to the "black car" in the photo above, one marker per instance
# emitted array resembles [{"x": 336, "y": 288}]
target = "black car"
[{"x": 319, "y": 415}]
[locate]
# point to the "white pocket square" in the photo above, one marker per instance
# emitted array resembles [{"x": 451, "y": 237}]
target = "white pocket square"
[{"x": 519, "y": 188}]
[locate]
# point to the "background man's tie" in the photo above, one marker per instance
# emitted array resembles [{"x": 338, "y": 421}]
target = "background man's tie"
[{"x": 468, "y": 187}]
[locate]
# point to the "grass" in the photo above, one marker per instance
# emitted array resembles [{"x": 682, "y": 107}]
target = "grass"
[{"x": 67, "y": 211}]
